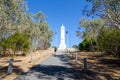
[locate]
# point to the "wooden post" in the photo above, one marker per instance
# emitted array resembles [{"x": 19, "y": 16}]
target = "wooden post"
[
  {"x": 68, "y": 51},
  {"x": 32, "y": 56},
  {"x": 72, "y": 55},
  {"x": 76, "y": 57},
  {"x": 85, "y": 64},
  {"x": 9, "y": 71}
]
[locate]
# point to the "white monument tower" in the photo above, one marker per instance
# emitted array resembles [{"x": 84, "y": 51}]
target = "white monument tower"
[{"x": 62, "y": 45}]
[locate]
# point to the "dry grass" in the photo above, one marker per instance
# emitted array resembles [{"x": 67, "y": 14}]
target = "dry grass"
[
  {"x": 22, "y": 64},
  {"x": 100, "y": 67}
]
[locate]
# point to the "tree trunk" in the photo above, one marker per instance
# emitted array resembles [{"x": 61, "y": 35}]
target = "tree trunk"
[{"x": 92, "y": 45}]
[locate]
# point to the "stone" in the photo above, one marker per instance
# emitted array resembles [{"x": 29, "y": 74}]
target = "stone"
[{"x": 62, "y": 45}]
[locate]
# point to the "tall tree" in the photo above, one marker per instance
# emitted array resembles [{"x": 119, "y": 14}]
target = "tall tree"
[
  {"x": 12, "y": 15},
  {"x": 108, "y": 9},
  {"x": 45, "y": 34},
  {"x": 92, "y": 29},
  {"x": 13, "y": 18}
]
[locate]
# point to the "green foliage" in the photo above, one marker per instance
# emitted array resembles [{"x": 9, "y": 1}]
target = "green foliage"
[
  {"x": 3, "y": 44},
  {"x": 105, "y": 31},
  {"x": 107, "y": 9},
  {"x": 39, "y": 32},
  {"x": 12, "y": 15},
  {"x": 75, "y": 46},
  {"x": 16, "y": 42},
  {"x": 109, "y": 41},
  {"x": 14, "y": 21},
  {"x": 19, "y": 41},
  {"x": 54, "y": 47},
  {"x": 92, "y": 29},
  {"x": 86, "y": 45}
]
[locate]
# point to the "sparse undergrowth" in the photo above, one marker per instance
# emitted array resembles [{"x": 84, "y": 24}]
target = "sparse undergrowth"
[
  {"x": 100, "y": 67},
  {"x": 22, "y": 64}
]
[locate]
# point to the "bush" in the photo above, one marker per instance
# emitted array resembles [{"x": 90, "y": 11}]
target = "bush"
[
  {"x": 87, "y": 45},
  {"x": 109, "y": 42},
  {"x": 16, "y": 42}
]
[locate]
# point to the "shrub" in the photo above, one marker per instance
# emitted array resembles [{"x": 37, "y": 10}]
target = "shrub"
[
  {"x": 109, "y": 42},
  {"x": 16, "y": 42}
]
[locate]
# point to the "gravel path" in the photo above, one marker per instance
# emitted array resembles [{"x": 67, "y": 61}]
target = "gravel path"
[{"x": 56, "y": 67}]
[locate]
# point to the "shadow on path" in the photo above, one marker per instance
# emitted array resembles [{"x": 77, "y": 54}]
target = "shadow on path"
[
  {"x": 58, "y": 72},
  {"x": 52, "y": 72},
  {"x": 63, "y": 58}
]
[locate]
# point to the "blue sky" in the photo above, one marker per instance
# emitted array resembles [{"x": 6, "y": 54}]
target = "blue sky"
[{"x": 58, "y": 12}]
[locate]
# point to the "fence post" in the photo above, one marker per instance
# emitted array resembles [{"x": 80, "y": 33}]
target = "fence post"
[
  {"x": 9, "y": 70},
  {"x": 76, "y": 57},
  {"x": 85, "y": 64},
  {"x": 68, "y": 51}
]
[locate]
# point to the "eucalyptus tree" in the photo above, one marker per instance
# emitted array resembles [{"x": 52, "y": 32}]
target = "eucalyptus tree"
[
  {"x": 45, "y": 34},
  {"x": 92, "y": 29},
  {"x": 13, "y": 18},
  {"x": 39, "y": 17},
  {"x": 36, "y": 31},
  {"x": 109, "y": 41},
  {"x": 30, "y": 32},
  {"x": 107, "y": 9},
  {"x": 11, "y": 15}
]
